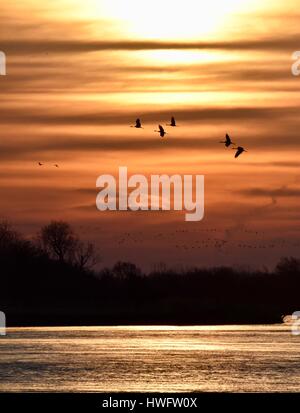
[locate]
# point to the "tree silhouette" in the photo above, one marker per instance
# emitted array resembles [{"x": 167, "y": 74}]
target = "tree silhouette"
[
  {"x": 60, "y": 242},
  {"x": 126, "y": 271},
  {"x": 86, "y": 256},
  {"x": 288, "y": 266},
  {"x": 8, "y": 235},
  {"x": 52, "y": 282}
]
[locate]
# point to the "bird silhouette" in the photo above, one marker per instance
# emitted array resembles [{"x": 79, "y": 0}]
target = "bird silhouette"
[
  {"x": 41, "y": 164},
  {"x": 56, "y": 166},
  {"x": 138, "y": 124},
  {"x": 173, "y": 122},
  {"x": 239, "y": 151},
  {"x": 228, "y": 142},
  {"x": 161, "y": 131}
]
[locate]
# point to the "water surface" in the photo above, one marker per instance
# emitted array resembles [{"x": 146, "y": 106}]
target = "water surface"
[{"x": 173, "y": 359}]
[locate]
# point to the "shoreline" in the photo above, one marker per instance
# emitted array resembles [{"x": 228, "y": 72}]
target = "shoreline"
[{"x": 128, "y": 323}]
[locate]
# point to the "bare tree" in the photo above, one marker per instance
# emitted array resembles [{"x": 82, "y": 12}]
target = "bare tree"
[
  {"x": 86, "y": 255},
  {"x": 126, "y": 271},
  {"x": 288, "y": 266},
  {"x": 60, "y": 242},
  {"x": 7, "y": 234}
]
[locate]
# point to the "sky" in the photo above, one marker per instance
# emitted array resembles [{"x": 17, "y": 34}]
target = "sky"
[{"x": 80, "y": 73}]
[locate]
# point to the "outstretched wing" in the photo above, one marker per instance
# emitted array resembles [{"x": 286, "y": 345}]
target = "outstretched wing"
[
  {"x": 228, "y": 139},
  {"x": 239, "y": 152},
  {"x": 173, "y": 122},
  {"x": 161, "y": 129}
]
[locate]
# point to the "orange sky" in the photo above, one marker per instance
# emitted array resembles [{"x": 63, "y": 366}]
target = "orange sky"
[{"x": 78, "y": 75}]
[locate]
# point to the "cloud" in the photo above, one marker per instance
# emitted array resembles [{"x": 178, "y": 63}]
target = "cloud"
[
  {"x": 273, "y": 193},
  {"x": 285, "y": 164},
  {"x": 35, "y": 116},
  {"x": 56, "y": 147},
  {"x": 72, "y": 46},
  {"x": 100, "y": 143}
]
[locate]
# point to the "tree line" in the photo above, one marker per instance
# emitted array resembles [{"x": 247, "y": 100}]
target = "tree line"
[{"x": 53, "y": 279}]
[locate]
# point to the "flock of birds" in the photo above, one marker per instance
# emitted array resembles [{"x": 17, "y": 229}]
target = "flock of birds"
[
  {"x": 228, "y": 142},
  {"x": 188, "y": 242},
  {"x": 162, "y": 132}
]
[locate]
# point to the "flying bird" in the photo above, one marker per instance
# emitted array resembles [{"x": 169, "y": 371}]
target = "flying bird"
[
  {"x": 228, "y": 142},
  {"x": 138, "y": 124},
  {"x": 173, "y": 122},
  {"x": 56, "y": 166},
  {"x": 161, "y": 131},
  {"x": 41, "y": 164},
  {"x": 239, "y": 151}
]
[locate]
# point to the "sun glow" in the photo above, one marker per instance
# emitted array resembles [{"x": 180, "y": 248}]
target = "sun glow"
[{"x": 171, "y": 19}]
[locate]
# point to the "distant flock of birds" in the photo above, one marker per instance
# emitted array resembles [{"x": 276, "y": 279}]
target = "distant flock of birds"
[
  {"x": 41, "y": 164},
  {"x": 206, "y": 242},
  {"x": 161, "y": 130}
]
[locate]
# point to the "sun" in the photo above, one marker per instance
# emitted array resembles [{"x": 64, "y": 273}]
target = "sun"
[{"x": 171, "y": 19}]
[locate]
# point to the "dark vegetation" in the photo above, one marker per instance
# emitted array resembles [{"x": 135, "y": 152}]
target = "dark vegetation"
[{"x": 50, "y": 281}]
